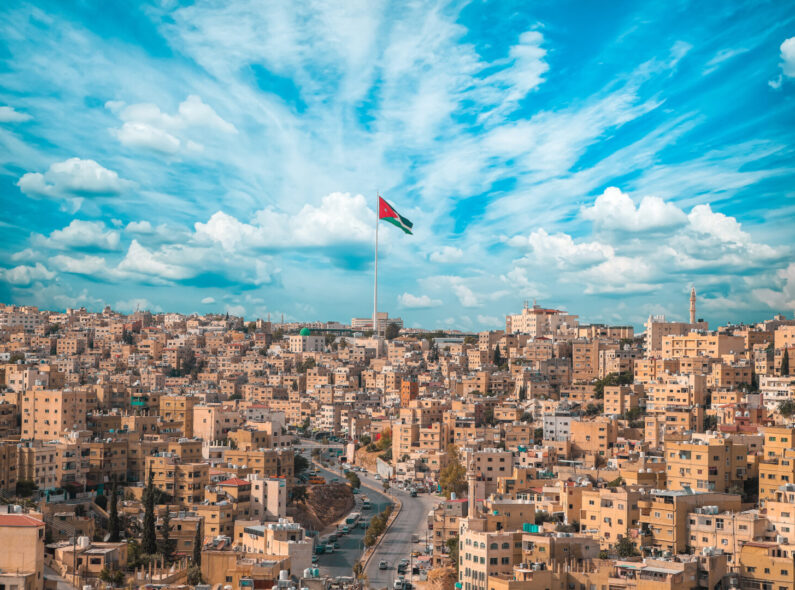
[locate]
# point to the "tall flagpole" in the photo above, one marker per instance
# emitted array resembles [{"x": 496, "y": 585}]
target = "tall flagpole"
[{"x": 375, "y": 290}]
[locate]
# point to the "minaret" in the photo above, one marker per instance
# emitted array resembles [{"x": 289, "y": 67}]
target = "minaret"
[
  {"x": 471, "y": 491},
  {"x": 693, "y": 305}
]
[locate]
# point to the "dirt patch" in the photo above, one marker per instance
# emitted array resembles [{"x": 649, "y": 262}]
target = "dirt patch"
[
  {"x": 439, "y": 578},
  {"x": 324, "y": 505},
  {"x": 365, "y": 459}
]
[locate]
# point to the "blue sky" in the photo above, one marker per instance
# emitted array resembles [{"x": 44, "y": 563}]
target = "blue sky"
[{"x": 225, "y": 156}]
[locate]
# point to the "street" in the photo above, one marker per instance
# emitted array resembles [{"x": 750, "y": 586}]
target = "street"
[{"x": 396, "y": 543}]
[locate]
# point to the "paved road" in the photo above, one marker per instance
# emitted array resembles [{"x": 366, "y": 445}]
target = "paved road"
[
  {"x": 396, "y": 544},
  {"x": 340, "y": 563}
]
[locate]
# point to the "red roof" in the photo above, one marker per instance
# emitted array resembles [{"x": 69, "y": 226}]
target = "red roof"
[
  {"x": 235, "y": 481},
  {"x": 19, "y": 520}
]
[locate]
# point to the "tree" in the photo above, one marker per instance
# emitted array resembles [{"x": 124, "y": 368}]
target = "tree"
[
  {"x": 452, "y": 551},
  {"x": 624, "y": 547},
  {"x": 786, "y": 408},
  {"x": 710, "y": 422},
  {"x": 385, "y": 485},
  {"x": 611, "y": 379},
  {"x": 392, "y": 331},
  {"x": 25, "y": 488},
  {"x": 452, "y": 478},
  {"x": 195, "y": 575},
  {"x": 523, "y": 393},
  {"x": 278, "y": 334},
  {"x": 113, "y": 577},
  {"x": 299, "y": 494},
  {"x": 198, "y": 542},
  {"x": 433, "y": 352},
  {"x": 354, "y": 480},
  {"x": 114, "y": 525},
  {"x": 300, "y": 463},
  {"x": 784, "y": 362},
  {"x": 497, "y": 359},
  {"x": 149, "y": 540},
  {"x": 166, "y": 542},
  {"x": 538, "y": 436}
]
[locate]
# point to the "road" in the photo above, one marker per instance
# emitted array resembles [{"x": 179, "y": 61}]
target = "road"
[
  {"x": 396, "y": 543},
  {"x": 340, "y": 563}
]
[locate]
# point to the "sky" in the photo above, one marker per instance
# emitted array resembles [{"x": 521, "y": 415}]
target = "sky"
[{"x": 226, "y": 156}]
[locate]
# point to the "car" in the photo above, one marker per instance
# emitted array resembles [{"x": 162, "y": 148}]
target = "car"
[
  {"x": 315, "y": 559},
  {"x": 377, "y": 477},
  {"x": 346, "y": 530},
  {"x": 398, "y": 584},
  {"x": 336, "y": 545},
  {"x": 382, "y": 565},
  {"x": 413, "y": 493}
]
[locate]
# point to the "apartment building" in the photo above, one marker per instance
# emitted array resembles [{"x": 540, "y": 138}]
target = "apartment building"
[
  {"x": 47, "y": 413},
  {"x": 716, "y": 465}
]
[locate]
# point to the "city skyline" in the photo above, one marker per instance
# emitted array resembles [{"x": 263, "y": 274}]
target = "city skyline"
[{"x": 226, "y": 158}]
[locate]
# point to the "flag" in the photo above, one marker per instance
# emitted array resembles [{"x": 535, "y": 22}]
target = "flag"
[{"x": 387, "y": 213}]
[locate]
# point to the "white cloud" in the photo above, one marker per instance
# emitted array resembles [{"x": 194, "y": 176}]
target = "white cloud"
[
  {"x": 614, "y": 210},
  {"x": 131, "y": 305},
  {"x": 490, "y": 321},
  {"x": 25, "y": 255},
  {"x": 74, "y": 177},
  {"x": 446, "y": 255},
  {"x": 341, "y": 218},
  {"x": 93, "y": 266},
  {"x": 143, "y": 135},
  {"x": 146, "y": 126},
  {"x": 208, "y": 300},
  {"x": 24, "y": 275},
  {"x": 561, "y": 249},
  {"x": 727, "y": 229},
  {"x": 142, "y": 261},
  {"x": 788, "y": 57},
  {"x": 410, "y": 301},
  {"x": 236, "y": 310},
  {"x": 465, "y": 295},
  {"x": 783, "y": 299},
  {"x": 81, "y": 234},
  {"x": 10, "y": 115}
]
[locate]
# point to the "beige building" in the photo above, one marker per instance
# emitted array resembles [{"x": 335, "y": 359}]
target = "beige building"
[
  {"x": 47, "y": 413},
  {"x": 22, "y": 557}
]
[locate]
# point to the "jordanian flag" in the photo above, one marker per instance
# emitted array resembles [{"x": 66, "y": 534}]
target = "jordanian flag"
[{"x": 387, "y": 213}]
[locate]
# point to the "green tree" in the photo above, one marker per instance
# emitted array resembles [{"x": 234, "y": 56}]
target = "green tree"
[
  {"x": 354, "y": 480},
  {"x": 198, "y": 542},
  {"x": 452, "y": 478},
  {"x": 497, "y": 358},
  {"x": 786, "y": 408},
  {"x": 611, "y": 379},
  {"x": 784, "y": 369},
  {"x": 299, "y": 494},
  {"x": 278, "y": 334},
  {"x": 710, "y": 422},
  {"x": 166, "y": 542},
  {"x": 300, "y": 463},
  {"x": 25, "y": 488},
  {"x": 113, "y": 577},
  {"x": 452, "y": 550},
  {"x": 195, "y": 575},
  {"x": 149, "y": 540},
  {"x": 114, "y": 524},
  {"x": 538, "y": 436},
  {"x": 392, "y": 331},
  {"x": 624, "y": 547},
  {"x": 101, "y": 500}
]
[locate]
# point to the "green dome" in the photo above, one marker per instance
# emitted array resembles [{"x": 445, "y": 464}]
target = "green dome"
[{"x": 305, "y": 332}]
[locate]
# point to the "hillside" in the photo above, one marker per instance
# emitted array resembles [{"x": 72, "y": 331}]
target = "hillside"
[{"x": 324, "y": 505}]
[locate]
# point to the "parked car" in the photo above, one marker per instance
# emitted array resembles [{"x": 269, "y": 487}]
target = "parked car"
[{"x": 382, "y": 565}]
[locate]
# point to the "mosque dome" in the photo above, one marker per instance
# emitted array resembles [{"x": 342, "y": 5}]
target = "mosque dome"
[{"x": 305, "y": 332}]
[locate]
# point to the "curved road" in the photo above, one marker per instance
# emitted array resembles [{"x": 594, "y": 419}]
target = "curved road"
[{"x": 396, "y": 543}]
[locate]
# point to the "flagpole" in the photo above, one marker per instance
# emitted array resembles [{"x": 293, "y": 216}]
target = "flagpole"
[{"x": 375, "y": 289}]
